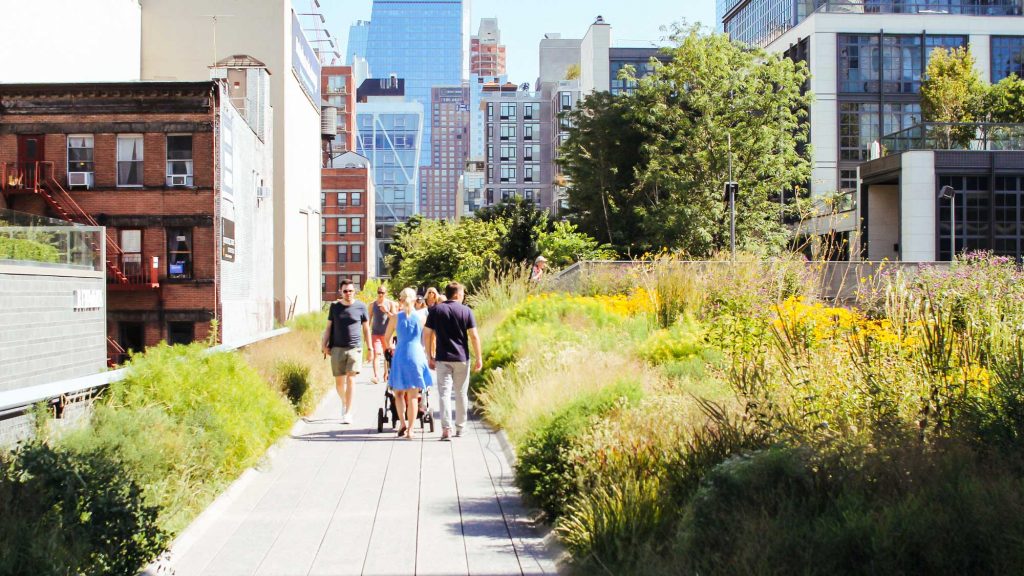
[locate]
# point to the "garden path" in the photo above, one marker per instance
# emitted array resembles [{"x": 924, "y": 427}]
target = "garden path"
[{"x": 339, "y": 499}]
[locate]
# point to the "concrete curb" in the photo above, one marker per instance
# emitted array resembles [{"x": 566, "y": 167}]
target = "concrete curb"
[
  {"x": 164, "y": 565},
  {"x": 537, "y": 520}
]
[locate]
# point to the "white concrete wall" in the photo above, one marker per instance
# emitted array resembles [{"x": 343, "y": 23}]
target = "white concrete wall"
[
  {"x": 70, "y": 41},
  {"x": 247, "y": 284},
  {"x": 917, "y": 207},
  {"x": 884, "y": 218},
  {"x": 595, "y": 72},
  {"x": 261, "y": 29},
  {"x": 556, "y": 56}
]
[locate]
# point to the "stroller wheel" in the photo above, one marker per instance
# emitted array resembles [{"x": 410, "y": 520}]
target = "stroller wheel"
[
  {"x": 430, "y": 420},
  {"x": 380, "y": 420}
]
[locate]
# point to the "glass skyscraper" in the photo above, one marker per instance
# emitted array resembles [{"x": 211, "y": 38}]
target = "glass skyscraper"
[
  {"x": 358, "y": 34},
  {"x": 423, "y": 42}
]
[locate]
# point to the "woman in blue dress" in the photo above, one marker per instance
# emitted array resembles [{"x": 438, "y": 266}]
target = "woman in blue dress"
[{"x": 409, "y": 370}]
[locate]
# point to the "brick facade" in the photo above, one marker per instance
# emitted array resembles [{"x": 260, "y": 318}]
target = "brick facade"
[
  {"x": 152, "y": 110},
  {"x": 338, "y": 230}
]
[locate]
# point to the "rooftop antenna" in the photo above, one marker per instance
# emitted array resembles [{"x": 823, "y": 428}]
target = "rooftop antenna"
[{"x": 214, "y": 17}]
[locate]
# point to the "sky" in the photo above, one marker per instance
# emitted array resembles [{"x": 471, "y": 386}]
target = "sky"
[{"x": 523, "y": 23}]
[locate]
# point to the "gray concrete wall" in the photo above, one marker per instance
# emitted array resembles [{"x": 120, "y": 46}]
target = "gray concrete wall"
[{"x": 43, "y": 338}]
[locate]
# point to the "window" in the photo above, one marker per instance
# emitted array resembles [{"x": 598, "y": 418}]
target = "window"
[
  {"x": 507, "y": 194},
  {"x": 342, "y": 225},
  {"x": 1008, "y": 232},
  {"x": 490, "y": 111},
  {"x": 490, "y": 131},
  {"x": 80, "y": 154},
  {"x": 973, "y": 222},
  {"x": 342, "y": 198},
  {"x": 530, "y": 195},
  {"x": 1007, "y": 57},
  {"x": 529, "y": 173},
  {"x": 508, "y": 110},
  {"x": 531, "y": 132},
  {"x": 508, "y": 152},
  {"x": 847, "y": 180},
  {"x": 531, "y": 152},
  {"x": 179, "y": 253},
  {"x": 181, "y": 333},
  {"x": 129, "y": 160},
  {"x": 342, "y": 253},
  {"x": 531, "y": 111},
  {"x": 336, "y": 84},
  {"x": 323, "y": 226},
  {"x": 508, "y": 173},
  {"x": 899, "y": 116},
  {"x": 858, "y": 128},
  {"x": 508, "y": 131},
  {"x": 179, "y": 160},
  {"x": 858, "y": 62},
  {"x": 131, "y": 252},
  {"x": 357, "y": 198},
  {"x": 357, "y": 225},
  {"x": 357, "y": 253},
  {"x": 566, "y": 100}
]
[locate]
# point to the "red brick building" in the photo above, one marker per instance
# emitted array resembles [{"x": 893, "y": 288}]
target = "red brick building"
[
  {"x": 144, "y": 160},
  {"x": 347, "y": 201},
  {"x": 348, "y": 208}
]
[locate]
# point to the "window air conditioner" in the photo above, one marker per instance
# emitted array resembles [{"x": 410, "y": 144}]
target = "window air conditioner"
[
  {"x": 80, "y": 179},
  {"x": 179, "y": 180}
]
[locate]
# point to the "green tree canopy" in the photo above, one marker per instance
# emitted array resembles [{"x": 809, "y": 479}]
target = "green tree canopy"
[
  {"x": 564, "y": 245},
  {"x": 648, "y": 171},
  {"x": 1004, "y": 101},
  {"x": 952, "y": 89},
  {"x": 434, "y": 253},
  {"x": 521, "y": 223}
]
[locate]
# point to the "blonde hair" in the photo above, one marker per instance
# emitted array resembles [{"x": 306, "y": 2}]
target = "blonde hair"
[{"x": 407, "y": 300}]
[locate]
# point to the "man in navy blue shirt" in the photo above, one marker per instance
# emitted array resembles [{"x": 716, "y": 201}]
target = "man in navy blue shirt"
[{"x": 450, "y": 330}]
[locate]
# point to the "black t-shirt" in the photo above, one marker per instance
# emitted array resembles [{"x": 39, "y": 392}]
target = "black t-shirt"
[
  {"x": 347, "y": 324},
  {"x": 450, "y": 322}
]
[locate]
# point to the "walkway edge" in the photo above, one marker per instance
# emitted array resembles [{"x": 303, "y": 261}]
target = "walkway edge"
[
  {"x": 536, "y": 522},
  {"x": 164, "y": 565}
]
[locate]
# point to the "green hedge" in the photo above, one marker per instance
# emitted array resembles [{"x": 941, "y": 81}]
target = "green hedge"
[{"x": 30, "y": 250}]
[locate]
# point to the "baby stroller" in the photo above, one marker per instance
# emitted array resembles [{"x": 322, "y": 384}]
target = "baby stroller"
[{"x": 389, "y": 412}]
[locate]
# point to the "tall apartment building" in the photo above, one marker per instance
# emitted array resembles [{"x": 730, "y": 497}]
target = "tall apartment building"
[
  {"x": 389, "y": 132},
  {"x": 486, "y": 52},
  {"x": 518, "y": 135},
  {"x": 867, "y": 58},
  {"x": 449, "y": 151},
  {"x": 178, "y": 173},
  {"x": 179, "y": 38},
  {"x": 338, "y": 86},
  {"x": 358, "y": 35},
  {"x": 472, "y": 188}
]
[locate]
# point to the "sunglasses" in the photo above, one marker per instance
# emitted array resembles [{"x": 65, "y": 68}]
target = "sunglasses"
[{"x": 347, "y": 291}]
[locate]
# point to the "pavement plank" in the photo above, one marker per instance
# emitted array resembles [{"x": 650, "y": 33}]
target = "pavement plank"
[{"x": 441, "y": 549}]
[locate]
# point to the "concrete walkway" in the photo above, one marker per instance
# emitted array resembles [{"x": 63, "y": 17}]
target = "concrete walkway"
[{"x": 341, "y": 499}]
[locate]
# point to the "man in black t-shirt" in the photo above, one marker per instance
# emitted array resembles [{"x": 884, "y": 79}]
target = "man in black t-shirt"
[
  {"x": 450, "y": 330},
  {"x": 348, "y": 326}
]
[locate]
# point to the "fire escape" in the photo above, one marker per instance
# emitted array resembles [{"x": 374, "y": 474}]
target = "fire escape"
[{"x": 124, "y": 271}]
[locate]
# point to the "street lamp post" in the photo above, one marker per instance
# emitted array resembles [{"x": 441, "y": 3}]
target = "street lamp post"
[
  {"x": 731, "y": 188},
  {"x": 947, "y": 192}
]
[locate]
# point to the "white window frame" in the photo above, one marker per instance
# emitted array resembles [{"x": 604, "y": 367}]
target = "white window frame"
[
  {"x": 139, "y": 161},
  {"x": 189, "y": 164}
]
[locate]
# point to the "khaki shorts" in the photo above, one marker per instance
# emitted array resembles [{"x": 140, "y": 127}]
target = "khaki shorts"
[{"x": 346, "y": 361}]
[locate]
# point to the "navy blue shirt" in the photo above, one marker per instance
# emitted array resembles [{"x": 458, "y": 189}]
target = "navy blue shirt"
[
  {"x": 347, "y": 324},
  {"x": 451, "y": 322}
]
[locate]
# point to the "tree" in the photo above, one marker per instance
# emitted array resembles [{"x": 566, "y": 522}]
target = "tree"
[
  {"x": 520, "y": 222},
  {"x": 599, "y": 160},
  {"x": 1004, "y": 101},
  {"x": 952, "y": 92},
  {"x": 713, "y": 90},
  {"x": 434, "y": 253},
  {"x": 564, "y": 245}
]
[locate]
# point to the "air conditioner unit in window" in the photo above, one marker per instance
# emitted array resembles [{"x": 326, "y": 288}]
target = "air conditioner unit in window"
[
  {"x": 179, "y": 180},
  {"x": 262, "y": 192},
  {"x": 80, "y": 179}
]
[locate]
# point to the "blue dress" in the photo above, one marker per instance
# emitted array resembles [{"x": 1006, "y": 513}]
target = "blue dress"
[{"x": 409, "y": 367}]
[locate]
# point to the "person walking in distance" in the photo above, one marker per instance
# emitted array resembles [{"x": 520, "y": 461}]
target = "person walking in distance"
[
  {"x": 449, "y": 332},
  {"x": 537, "y": 273},
  {"x": 380, "y": 314},
  {"x": 409, "y": 371},
  {"x": 348, "y": 326}
]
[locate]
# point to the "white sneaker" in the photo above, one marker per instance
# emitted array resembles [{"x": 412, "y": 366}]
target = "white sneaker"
[{"x": 346, "y": 418}]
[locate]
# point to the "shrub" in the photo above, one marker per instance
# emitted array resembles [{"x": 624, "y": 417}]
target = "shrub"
[
  {"x": 294, "y": 380},
  {"x": 30, "y": 250},
  {"x": 65, "y": 512},
  {"x": 314, "y": 322},
  {"x": 682, "y": 341},
  {"x": 543, "y": 471}
]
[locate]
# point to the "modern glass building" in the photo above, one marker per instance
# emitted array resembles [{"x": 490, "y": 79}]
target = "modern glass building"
[
  {"x": 390, "y": 135},
  {"x": 422, "y": 41},
  {"x": 358, "y": 34},
  {"x": 638, "y": 58}
]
